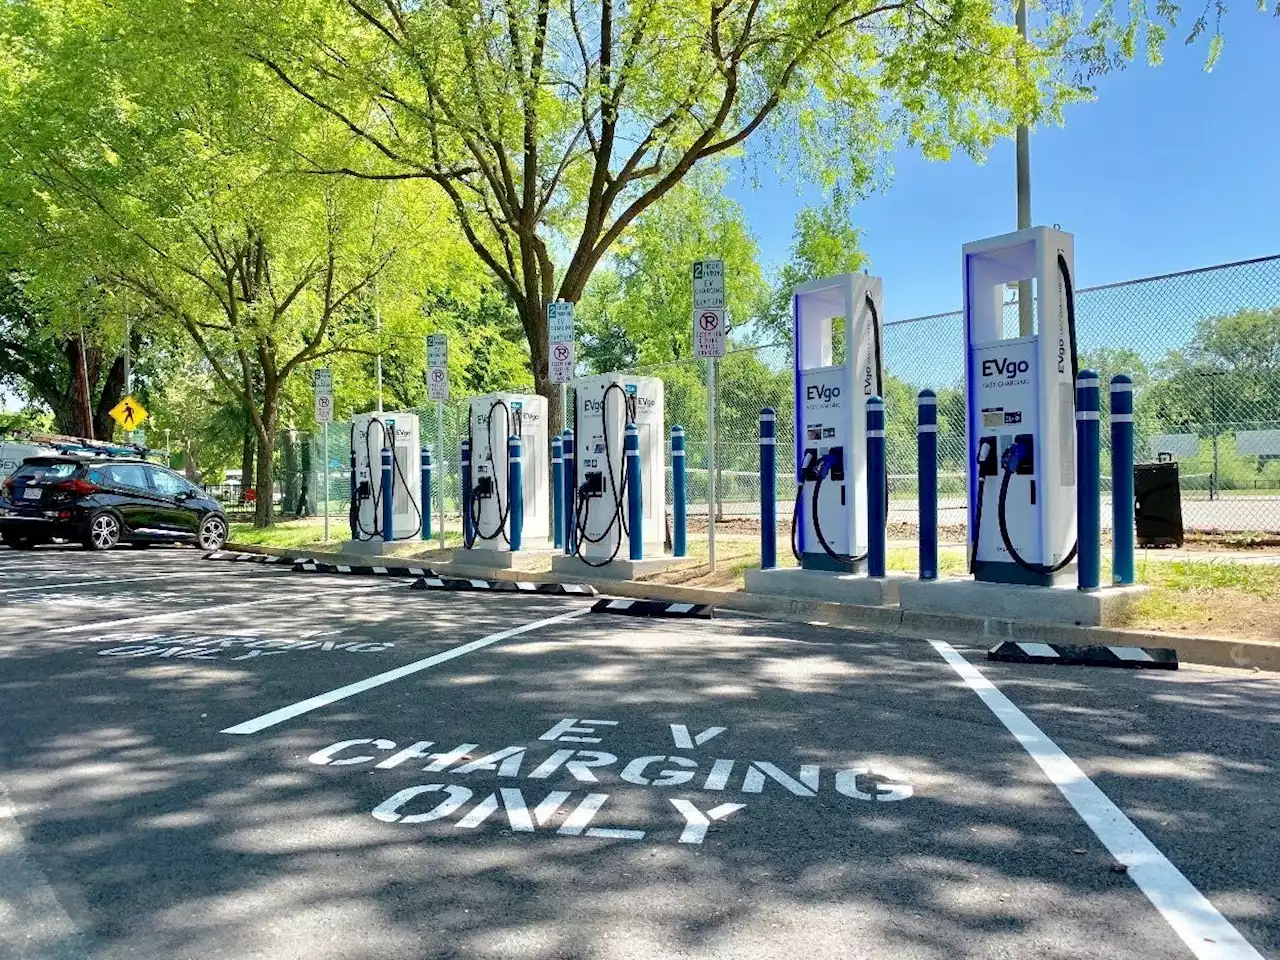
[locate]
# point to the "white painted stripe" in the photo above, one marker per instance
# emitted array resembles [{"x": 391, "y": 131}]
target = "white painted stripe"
[
  {"x": 615, "y": 833},
  {"x": 1086, "y": 382},
  {"x": 105, "y": 581},
  {"x": 1087, "y": 414},
  {"x": 379, "y": 569},
  {"x": 1037, "y": 649},
  {"x": 926, "y": 401},
  {"x": 768, "y": 417},
  {"x": 164, "y": 616},
  {"x": 377, "y": 680},
  {"x": 875, "y": 433},
  {"x": 620, "y": 604},
  {"x": 524, "y": 585},
  {"x": 1208, "y": 934},
  {"x": 434, "y": 581},
  {"x": 677, "y": 453},
  {"x": 35, "y": 924},
  {"x": 557, "y": 459},
  {"x": 680, "y": 607},
  {"x": 1132, "y": 653},
  {"x": 416, "y": 571},
  {"x": 479, "y": 584},
  {"x": 342, "y": 568},
  {"x": 1122, "y": 418},
  {"x": 633, "y": 453},
  {"x": 926, "y": 428},
  {"x": 1122, "y": 387},
  {"x": 768, "y": 441}
]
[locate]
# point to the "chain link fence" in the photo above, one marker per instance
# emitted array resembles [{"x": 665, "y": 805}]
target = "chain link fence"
[{"x": 1203, "y": 347}]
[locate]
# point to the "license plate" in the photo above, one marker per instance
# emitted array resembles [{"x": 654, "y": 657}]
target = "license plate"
[{"x": 32, "y": 493}]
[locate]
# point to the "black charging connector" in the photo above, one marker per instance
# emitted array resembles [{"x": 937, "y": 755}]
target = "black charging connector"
[
  {"x": 484, "y": 487},
  {"x": 592, "y": 484},
  {"x": 1027, "y": 460},
  {"x": 835, "y": 461}
]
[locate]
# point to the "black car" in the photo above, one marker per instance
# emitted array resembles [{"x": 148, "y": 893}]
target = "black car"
[{"x": 101, "y": 502}]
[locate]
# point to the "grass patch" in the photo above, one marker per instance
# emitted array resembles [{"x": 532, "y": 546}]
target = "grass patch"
[
  {"x": 1257, "y": 579},
  {"x": 309, "y": 533}
]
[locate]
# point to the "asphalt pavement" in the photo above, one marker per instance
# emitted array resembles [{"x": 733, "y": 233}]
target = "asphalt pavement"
[{"x": 223, "y": 761}]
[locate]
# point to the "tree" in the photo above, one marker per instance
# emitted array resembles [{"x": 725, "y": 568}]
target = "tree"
[
  {"x": 638, "y": 309},
  {"x": 553, "y": 125},
  {"x": 824, "y": 243},
  {"x": 44, "y": 364},
  {"x": 148, "y": 156},
  {"x": 1228, "y": 373}
]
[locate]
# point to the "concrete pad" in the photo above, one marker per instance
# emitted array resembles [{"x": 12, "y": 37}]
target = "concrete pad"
[
  {"x": 1108, "y": 606},
  {"x": 620, "y": 568},
  {"x": 371, "y": 548},
  {"x": 535, "y": 558},
  {"x": 855, "y": 588}
]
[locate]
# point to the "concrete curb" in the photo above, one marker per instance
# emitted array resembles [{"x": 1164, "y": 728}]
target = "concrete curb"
[{"x": 908, "y": 625}]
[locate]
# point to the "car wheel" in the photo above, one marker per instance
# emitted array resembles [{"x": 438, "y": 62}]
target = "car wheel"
[
  {"x": 213, "y": 533},
  {"x": 104, "y": 531}
]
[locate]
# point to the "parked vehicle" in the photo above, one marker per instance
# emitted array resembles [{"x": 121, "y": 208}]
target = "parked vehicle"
[
  {"x": 14, "y": 452},
  {"x": 102, "y": 502}
]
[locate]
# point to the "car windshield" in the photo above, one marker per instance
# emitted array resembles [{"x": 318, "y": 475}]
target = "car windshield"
[{"x": 44, "y": 471}]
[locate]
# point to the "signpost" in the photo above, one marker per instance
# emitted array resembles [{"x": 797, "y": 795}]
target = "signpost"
[
  {"x": 708, "y": 342},
  {"x": 438, "y": 390},
  {"x": 322, "y": 385},
  {"x": 560, "y": 351}
]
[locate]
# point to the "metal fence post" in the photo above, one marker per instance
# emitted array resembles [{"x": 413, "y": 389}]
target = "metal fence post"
[
  {"x": 877, "y": 489},
  {"x": 768, "y": 489},
  {"x": 570, "y": 480},
  {"x": 1122, "y": 527},
  {"x": 635, "y": 492},
  {"x": 927, "y": 494},
  {"x": 388, "y": 508},
  {"x": 515, "y": 492},
  {"x": 1088, "y": 482},
  {"x": 424, "y": 503},
  {"x": 679, "y": 494},
  {"x": 557, "y": 492},
  {"x": 468, "y": 535}
]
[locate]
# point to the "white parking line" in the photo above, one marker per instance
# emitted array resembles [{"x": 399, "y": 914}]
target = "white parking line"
[
  {"x": 1193, "y": 918},
  {"x": 351, "y": 689},
  {"x": 97, "y": 625},
  {"x": 94, "y": 583}
]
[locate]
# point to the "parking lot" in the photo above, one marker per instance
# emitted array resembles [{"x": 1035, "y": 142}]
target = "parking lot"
[{"x": 205, "y": 759}]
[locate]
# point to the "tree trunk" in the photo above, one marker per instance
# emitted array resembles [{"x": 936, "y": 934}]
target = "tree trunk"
[
  {"x": 112, "y": 392},
  {"x": 265, "y": 478},
  {"x": 79, "y": 395},
  {"x": 190, "y": 465},
  {"x": 246, "y": 462}
]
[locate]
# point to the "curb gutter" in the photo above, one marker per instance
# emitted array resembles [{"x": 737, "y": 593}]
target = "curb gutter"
[{"x": 909, "y": 625}]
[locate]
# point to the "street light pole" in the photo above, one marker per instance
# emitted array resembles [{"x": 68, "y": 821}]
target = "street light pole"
[{"x": 1026, "y": 321}]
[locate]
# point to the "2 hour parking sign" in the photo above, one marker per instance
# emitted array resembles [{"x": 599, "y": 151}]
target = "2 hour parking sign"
[{"x": 708, "y": 308}]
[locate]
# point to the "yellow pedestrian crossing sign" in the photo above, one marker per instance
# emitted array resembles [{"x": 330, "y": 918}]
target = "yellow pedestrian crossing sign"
[{"x": 129, "y": 413}]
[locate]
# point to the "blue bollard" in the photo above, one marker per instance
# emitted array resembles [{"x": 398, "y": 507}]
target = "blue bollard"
[
  {"x": 927, "y": 496},
  {"x": 768, "y": 489},
  {"x": 515, "y": 493},
  {"x": 1122, "y": 529},
  {"x": 1088, "y": 483},
  {"x": 877, "y": 493},
  {"x": 388, "y": 508},
  {"x": 635, "y": 492},
  {"x": 557, "y": 492},
  {"x": 679, "y": 494},
  {"x": 468, "y": 535},
  {"x": 425, "y": 502},
  {"x": 570, "y": 488}
]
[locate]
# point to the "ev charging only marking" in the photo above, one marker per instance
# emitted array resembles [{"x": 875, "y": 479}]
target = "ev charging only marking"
[
  {"x": 80, "y": 627},
  {"x": 423, "y": 803},
  {"x": 350, "y": 690},
  {"x": 1208, "y": 934}
]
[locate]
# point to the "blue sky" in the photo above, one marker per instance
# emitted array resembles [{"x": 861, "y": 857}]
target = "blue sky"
[{"x": 1170, "y": 168}]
